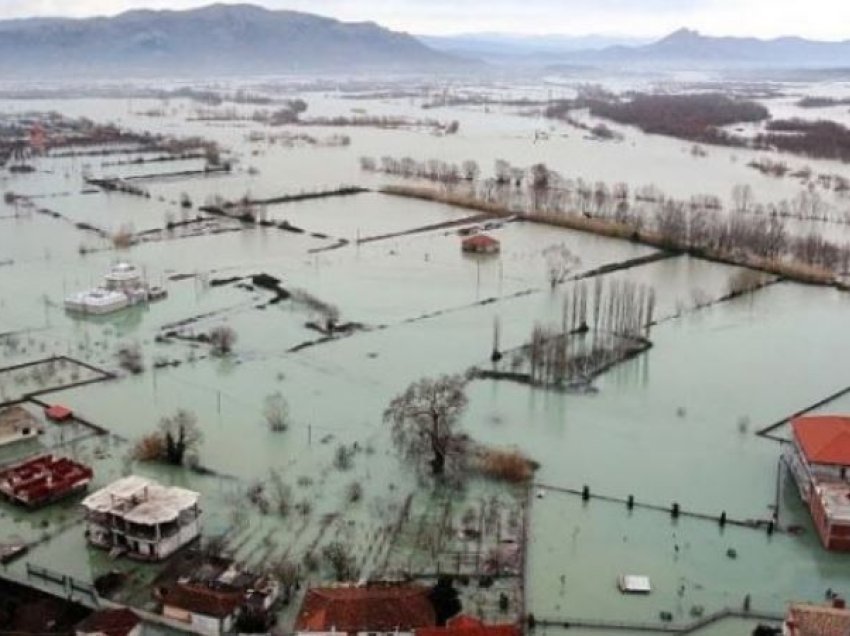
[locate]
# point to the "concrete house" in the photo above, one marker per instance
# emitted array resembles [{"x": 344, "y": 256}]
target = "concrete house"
[
  {"x": 141, "y": 518},
  {"x": 819, "y": 460}
]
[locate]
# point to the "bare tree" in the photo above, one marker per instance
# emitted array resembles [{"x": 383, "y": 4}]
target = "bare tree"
[
  {"x": 742, "y": 197},
  {"x": 222, "y": 339},
  {"x": 502, "y": 170},
  {"x": 339, "y": 557},
  {"x": 281, "y": 493},
  {"x": 289, "y": 574},
  {"x": 276, "y": 412},
  {"x": 181, "y": 435},
  {"x": 424, "y": 417},
  {"x": 130, "y": 358},
  {"x": 470, "y": 170},
  {"x": 560, "y": 262}
]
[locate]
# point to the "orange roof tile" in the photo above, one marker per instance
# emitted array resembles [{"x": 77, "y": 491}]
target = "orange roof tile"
[
  {"x": 818, "y": 620},
  {"x": 378, "y": 608},
  {"x": 113, "y": 622},
  {"x": 824, "y": 439},
  {"x": 463, "y": 625},
  {"x": 199, "y": 599},
  {"x": 480, "y": 240}
]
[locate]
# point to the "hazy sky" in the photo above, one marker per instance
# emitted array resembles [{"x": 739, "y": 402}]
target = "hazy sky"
[{"x": 826, "y": 19}]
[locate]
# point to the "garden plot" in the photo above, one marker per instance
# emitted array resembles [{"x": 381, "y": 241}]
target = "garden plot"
[{"x": 18, "y": 382}]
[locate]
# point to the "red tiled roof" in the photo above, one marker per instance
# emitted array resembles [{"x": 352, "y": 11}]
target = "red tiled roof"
[
  {"x": 480, "y": 240},
  {"x": 824, "y": 439},
  {"x": 117, "y": 622},
  {"x": 377, "y": 608},
  {"x": 463, "y": 625},
  {"x": 113, "y": 622},
  {"x": 43, "y": 477},
  {"x": 57, "y": 412},
  {"x": 200, "y": 599},
  {"x": 818, "y": 620}
]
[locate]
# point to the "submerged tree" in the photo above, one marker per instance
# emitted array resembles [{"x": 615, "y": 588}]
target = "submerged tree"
[
  {"x": 130, "y": 358},
  {"x": 276, "y": 412},
  {"x": 222, "y": 339},
  {"x": 338, "y": 556},
  {"x": 290, "y": 576},
  {"x": 181, "y": 435},
  {"x": 560, "y": 262},
  {"x": 424, "y": 418}
]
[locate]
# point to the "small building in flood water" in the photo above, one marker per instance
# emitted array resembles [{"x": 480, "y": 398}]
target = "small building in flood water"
[
  {"x": 43, "y": 479},
  {"x": 819, "y": 460},
  {"x": 480, "y": 244},
  {"x": 804, "y": 619}
]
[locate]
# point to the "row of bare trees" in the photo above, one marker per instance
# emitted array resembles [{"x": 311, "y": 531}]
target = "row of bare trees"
[
  {"x": 745, "y": 233},
  {"x": 432, "y": 170},
  {"x": 597, "y": 328}
]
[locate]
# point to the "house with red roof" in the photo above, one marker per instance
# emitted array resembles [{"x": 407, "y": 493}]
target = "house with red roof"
[
  {"x": 43, "y": 479},
  {"x": 218, "y": 596},
  {"x": 374, "y": 608},
  {"x": 110, "y": 622},
  {"x": 480, "y": 244},
  {"x": 58, "y": 413},
  {"x": 208, "y": 610},
  {"x": 819, "y": 460},
  {"x": 816, "y": 620},
  {"x": 463, "y": 625}
]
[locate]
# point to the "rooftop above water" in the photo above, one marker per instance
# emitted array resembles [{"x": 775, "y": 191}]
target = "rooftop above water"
[{"x": 141, "y": 500}]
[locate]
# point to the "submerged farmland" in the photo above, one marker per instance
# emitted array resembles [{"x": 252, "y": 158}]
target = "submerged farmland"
[{"x": 612, "y": 387}]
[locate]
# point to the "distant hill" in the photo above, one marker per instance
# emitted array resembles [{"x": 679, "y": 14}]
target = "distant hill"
[
  {"x": 689, "y": 49},
  {"x": 213, "y": 40},
  {"x": 507, "y": 47}
]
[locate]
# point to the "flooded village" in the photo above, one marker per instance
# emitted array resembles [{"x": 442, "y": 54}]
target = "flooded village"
[{"x": 436, "y": 357}]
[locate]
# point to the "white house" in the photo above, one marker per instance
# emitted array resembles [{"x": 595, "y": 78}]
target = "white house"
[
  {"x": 123, "y": 286},
  {"x": 141, "y": 518}
]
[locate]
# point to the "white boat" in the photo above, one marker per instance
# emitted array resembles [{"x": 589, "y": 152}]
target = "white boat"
[
  {"x": 97, "y": 301},
  {"x": 124, "y": 276},
  {"x": 123, "y": 286},
  {"x": 634, "y": 584}
]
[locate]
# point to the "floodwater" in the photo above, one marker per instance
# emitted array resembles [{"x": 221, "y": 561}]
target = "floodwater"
[{"x": 673, "y": 425}]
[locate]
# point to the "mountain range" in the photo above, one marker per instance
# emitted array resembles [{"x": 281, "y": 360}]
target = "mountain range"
[
  {"x": 219, "y": 39},
  {"x": 683, "y": 49},
  {"x": 243, "y": 39},
  {"x": 686, "y": 49},
  {"x": 506, "y": 47}
]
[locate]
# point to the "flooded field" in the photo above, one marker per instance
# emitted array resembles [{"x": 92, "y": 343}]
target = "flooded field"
[{"x": 673, "y": 425}]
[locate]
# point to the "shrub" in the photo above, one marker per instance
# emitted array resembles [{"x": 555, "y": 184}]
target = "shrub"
[
  {"x": 506, "y": 465},
  {"x": 130, "y": 358},
  {"x": 276, "y": 412},
  {"x": 149, "y": 448},
  {"x": 222, "y": 340},
  {"x": 304, "y": 507},
  {"x": 123, "y": 238},
  {"x": 343, "y": 457},
  {"x": 354, "y": 492}
]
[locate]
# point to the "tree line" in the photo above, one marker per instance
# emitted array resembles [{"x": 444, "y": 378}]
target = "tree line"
[{"x": 747, "y": 234}]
